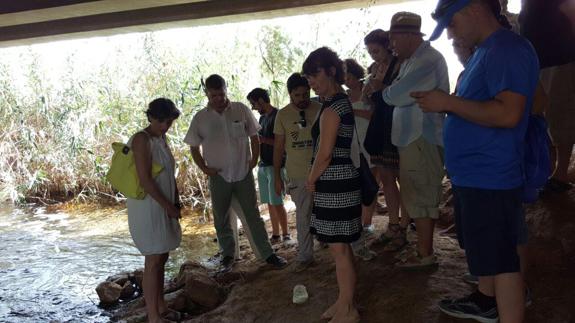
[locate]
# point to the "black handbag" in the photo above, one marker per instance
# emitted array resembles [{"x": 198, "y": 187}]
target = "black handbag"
[{"x": 369, "y": 186}]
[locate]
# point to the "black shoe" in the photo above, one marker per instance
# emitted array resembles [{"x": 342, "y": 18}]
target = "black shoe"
[
  {"x": 227, "y": 264},
  {"x": 467, "y": 308},
  {"x": 275, "y": 239},
  {"x": 528, "y": 297},
  {"x": 412, "y": 226},
  {"x": 556, "y": 186},
  {"x": 276, "y": 261}
]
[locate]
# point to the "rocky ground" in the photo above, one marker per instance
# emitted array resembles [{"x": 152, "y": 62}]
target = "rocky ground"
[{"x": 256, "y": 293}]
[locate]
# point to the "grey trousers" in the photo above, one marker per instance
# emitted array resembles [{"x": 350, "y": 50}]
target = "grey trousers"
[
  {"x": 234, "y": 213},
  {"x": 245, "y": 193},
  {"x": 303, "y": 200}
]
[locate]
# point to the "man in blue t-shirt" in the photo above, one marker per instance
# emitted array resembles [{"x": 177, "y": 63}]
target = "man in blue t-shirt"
[{"x": 484, "y": 137}]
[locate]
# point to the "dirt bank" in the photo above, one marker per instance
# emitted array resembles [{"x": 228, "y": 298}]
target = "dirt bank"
[{"x": 386, "y": 294}]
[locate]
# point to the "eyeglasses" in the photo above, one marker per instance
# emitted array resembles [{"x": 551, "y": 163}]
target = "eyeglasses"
[{"x": 302, "y": 120}]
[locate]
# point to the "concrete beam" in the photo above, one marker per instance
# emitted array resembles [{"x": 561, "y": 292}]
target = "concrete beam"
[{"x": 172, "y": 16}]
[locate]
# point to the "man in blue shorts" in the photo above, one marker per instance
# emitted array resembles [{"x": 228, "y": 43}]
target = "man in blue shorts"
[
  {"x": 260, "y": 101},
  {"x": 484, "y": 137}
]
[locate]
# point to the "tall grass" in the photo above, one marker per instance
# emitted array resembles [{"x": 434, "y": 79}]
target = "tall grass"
[
  {"x": 56, "y": 134},
  {"x": 55, "y": 141}
]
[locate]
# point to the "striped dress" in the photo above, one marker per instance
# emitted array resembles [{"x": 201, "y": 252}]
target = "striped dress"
[{"x": 336, "y": 213}]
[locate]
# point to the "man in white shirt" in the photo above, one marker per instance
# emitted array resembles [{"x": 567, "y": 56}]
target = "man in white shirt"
[
  {"x": 225, "y": 131},
  {"x": 417, "y": 134}
]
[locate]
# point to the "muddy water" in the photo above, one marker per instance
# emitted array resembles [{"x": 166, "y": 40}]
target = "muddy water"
[{"x": 51, "y": 261}]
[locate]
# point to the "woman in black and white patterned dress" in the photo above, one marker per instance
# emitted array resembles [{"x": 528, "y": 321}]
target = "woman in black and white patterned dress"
[{"x": 336, "y": 214}]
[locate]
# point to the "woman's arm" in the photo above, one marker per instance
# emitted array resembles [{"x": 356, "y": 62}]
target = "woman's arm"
[
  {"x": 143, "y": 160},
  {"x": 329, "y": 124}
]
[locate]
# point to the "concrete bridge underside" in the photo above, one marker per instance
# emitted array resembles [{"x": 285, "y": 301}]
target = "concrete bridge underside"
[{"x": 26, "y": 22}]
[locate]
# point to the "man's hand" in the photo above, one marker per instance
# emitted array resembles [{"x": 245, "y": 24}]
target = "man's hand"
[
  {"x": 278, "y": 185},
  {"x": 173, "y": 211},
  {"x": 267, "y": 141},
  {"x": 210, "y": 171},
  {"x": 432, "y": 101}
]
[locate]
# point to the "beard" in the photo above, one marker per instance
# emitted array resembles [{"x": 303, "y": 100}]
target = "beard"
[{"x": 303, "y": 104}]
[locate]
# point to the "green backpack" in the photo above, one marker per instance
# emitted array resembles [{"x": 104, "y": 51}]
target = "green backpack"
[{"x": 123, "y": 175}]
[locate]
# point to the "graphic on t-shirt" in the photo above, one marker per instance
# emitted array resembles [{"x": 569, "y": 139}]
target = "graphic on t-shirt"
[{"x": 299, "y": 144}]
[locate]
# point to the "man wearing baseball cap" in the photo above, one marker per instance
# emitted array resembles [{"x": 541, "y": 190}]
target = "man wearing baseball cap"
[
  {"x": 417, "y": 134},
  {"x": 484, "y": 139}
]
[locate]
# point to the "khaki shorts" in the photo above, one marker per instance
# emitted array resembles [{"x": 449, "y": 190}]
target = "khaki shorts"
[
  {"x": 420, "y": 175},
  {"x": 559, "y": 84}
]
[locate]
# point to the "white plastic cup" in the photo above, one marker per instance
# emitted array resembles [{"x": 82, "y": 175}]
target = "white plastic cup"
[{"x": 300, "y": 295}]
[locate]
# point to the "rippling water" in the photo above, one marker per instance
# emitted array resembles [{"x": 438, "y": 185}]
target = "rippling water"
[{"x": 51, "y": 261}]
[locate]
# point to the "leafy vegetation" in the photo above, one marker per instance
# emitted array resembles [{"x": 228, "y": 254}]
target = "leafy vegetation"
[{"x": 56, "y": 134}]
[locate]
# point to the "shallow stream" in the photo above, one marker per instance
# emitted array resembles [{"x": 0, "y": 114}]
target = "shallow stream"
[{"x": 51, "y": 261}]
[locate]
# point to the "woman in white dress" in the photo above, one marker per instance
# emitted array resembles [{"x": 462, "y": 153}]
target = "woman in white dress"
[{"x": 154, "y": 221}]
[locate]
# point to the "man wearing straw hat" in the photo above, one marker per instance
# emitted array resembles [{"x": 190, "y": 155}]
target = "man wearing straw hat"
[{"x": 417, "y": 134}]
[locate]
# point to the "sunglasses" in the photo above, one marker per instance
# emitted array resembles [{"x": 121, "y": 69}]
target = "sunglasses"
[{"x": 302, "y": 120}]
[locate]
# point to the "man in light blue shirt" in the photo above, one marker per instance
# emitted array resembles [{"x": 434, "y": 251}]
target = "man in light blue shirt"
[{"x": 417, "y": 134}]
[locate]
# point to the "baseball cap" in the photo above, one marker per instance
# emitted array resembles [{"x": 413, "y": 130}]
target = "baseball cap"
[{"x": 443, "y": 14}]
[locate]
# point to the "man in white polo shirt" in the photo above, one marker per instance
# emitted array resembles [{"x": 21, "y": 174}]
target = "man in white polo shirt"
[{"x": 225, "y": 131}]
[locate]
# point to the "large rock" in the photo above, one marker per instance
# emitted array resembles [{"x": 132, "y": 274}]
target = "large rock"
[
  {"x": 199, "y": 287},
  {"x": 119, "y": 279},
  {"x": 109, "y": 292}
]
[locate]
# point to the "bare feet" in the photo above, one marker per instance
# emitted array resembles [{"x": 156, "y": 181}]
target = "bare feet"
[
  {"x": 330, "y": 312},
  {"x": 343, "y": 316}
]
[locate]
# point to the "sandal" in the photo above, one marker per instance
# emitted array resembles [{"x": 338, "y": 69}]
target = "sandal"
[
  {"x": 392, "y": 231},
  {"x": 416, "y": 262},
  {"x": 397, "y": 243}
]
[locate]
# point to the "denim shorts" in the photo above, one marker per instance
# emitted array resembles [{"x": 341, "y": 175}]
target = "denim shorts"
[
  {"x": 266, "y": 183},
  {"x": 490, "y": 225}
]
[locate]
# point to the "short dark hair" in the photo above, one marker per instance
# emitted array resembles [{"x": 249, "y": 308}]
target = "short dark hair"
[
  {"x": 324, "y": 58},
  {"x": 257, "y": 94},
  {"x": 352, "y": 67},
  {"x": 162, "y": 109},
  {"x": 296, "y": 80},
  {"x": 379, "y": 37},
  {"x": 215, "y": 82}
]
